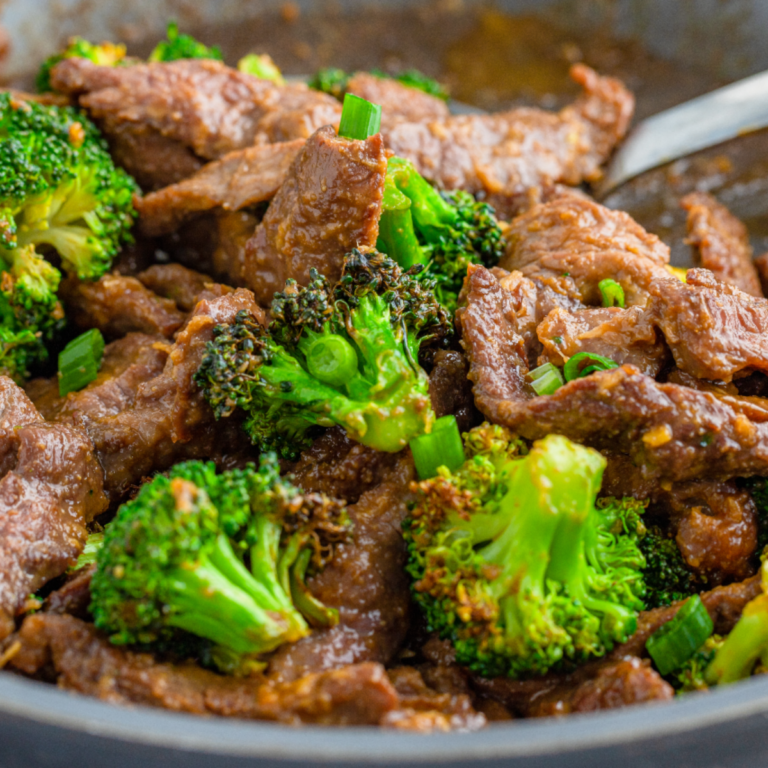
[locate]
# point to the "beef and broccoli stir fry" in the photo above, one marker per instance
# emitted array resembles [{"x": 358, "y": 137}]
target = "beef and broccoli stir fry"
[{"x": 321, "y": 404}]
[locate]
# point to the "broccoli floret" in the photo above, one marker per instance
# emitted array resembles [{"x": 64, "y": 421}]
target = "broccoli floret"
[
  {"x": 344, "y": 356},
  {"x": 334, "y": 82},
  {"x": 514, "y": 564},
  {"x": 691, "y": 676},
  {"x": 105, "y": 55},
  {"x": 179, "y": 46},
  {"x": 30, "y": 313},
  {"x": 667, "y": 577},
  {"x": 59, "y": 187},
  {"x": 447, "y": 231},
  {"x": 223, "y": 557}
]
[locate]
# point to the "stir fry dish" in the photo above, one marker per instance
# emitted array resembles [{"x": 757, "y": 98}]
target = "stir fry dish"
[{"x": 321, "y": 404}]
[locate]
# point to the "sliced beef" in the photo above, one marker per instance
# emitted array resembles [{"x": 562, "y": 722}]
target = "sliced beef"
[
  {"x": 84, "y": 661},
  {"x": 117, "y": 304},
  {"x": 74, "y": 596},
  {"x": 721, "y": 242},
  {"x": 399, "y": 103},
  {"x": 508, "y": 156},
  {"x": 185, "y": 287},
  {"x": 365, "y": 581},
  {"x": 127, "y": 364},
  {"x": 623, "y": 335},
  {"x": 239, "y": 179},
  {"x": 714, "y": 330},
  {"x": 672, "y": 432},
  {"x": 233, "y": 230},
  {"x": 761, "y": 265},
  {"x": 572, "y": 243},
  {"x": 450, "y": 391},
  {"x": 51, "y": 487},
  {"x": 329, "y": 204}
]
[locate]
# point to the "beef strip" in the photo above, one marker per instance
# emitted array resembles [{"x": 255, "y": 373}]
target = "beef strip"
[
  {"x": 238, "y": 180},
  {"x": 233, "y": 230},
  {"x": 505, "y": 156},
  {"x": 572, "y": 243},
  {"x": 51, "y": 487},
  {"x": 399, "y": 103},
  {"x": 714, "y": 330},
  {"x": 117, "y": 304},
  {"x": 721, "y": 242},
  {"x": 673, "y": 432},
  {"x": 329, "y": 204},
  {"x": 127, "y": 363},
  {"x": 365, "y": 581},
  {"x": 623, "y": 335},
  {"x": 185, "y": 287},
  {"x": 761, "y": 265},
  {"x": 450, "y": 391},
  {"x": 74, "y": 596},
  {"x": 84, "y": 661}
]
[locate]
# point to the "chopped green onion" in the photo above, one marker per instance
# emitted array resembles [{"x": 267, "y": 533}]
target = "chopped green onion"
[
  {"x": 573, "y": 369},
  {"x": 613, "y": 293},
  {"x": 359, "y": 118},
  {"x": 677, "y": 640},
  {"x": 332, "y": 360},
  {"x": 262, "y": 66},
  {"x": 441, "y": 447},
  {"x": 546, "y": 379},
  {"x": 79, "y": 361},
  {"x": 90, "y": 551}
]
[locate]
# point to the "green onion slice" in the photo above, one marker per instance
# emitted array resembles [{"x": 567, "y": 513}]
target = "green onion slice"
[
  {"x": 332, "y": 360},
  {"x": 359, "y": 118},
  {"x": 590, "y": 362},
  {"x": 442, "y": 447},
  {"x": 79, "y": 361},
  {"x": 546, "y": 379},
  {"x": 676, "y": 642},
  {"x": 612, "y": 292}
]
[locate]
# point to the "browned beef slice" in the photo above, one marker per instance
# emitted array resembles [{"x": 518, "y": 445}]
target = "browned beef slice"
[
  {"x": 716, "y": 527},
  {"x": 721, "y": 241},
  {"x": 238, "y": 180},
  {"x": 399, "y": 103},
  {"x": 450, "y": 391},
  {"x": 117, "y": 304},
  {"x": 185, "y": 287},
  {"x": 761, "y": 265},
  {"x": 713, "y": 329},
  {"x": 672, "y": 432},
  {"x": 623, "y": 335},
  {"x": 506, "y": 155},
  {"x": 572, "y": 243},
  {"x": 51, "y": 487},
  {"x": 84, "y": 661},
  {"x": 168, "y": 420},
  {"x": 74, "y": 596},
  {"x": 366, "y": 582},
  {"x": 329, "y": 204},
  {"x": 127, "y": 363},
  {"x": 200, "y": 103},
  {"x": 724, "y": 605}
]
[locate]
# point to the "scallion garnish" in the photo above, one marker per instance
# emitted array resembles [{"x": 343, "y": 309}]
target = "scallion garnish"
[
  {"x": 677, "y": 640},
  {"x": 79, "y": 361},
  {"x": 332, "y": 360},
  {"x": 612, "y": 292},
  {"x": 359, "y": 118},
  {"x": 584, "y": 363},
  {"x": 441, "y": 447},
  {"x": 546, "y": 379}
]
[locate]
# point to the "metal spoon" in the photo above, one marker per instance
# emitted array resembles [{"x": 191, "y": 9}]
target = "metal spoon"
[{"x": 706, "y": 121}]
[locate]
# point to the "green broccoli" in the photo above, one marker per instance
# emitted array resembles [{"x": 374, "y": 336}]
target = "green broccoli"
[
  {"x": 105, "y": 55},
  {"x": 59, "y": 187},
  {"x": 30, "y": 313},
  {"x": 513, "y": 562},
  {"x": 179, "y": 46},
  {"x": 667, "y": 577},
  {"x": 447, "y": 231},
  {"x": 346, "y": 356},
  {"x": 223, "y": 557},
  {"x": 334, "y": 81}
]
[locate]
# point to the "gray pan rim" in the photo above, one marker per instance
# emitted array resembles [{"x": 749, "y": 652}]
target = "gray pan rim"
[{"x": 47, "y": 706}]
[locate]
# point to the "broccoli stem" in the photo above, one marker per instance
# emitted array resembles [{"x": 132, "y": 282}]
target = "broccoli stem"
[
  {"x": 744, "y": 646},
  {"x": 397, "y": 236}
]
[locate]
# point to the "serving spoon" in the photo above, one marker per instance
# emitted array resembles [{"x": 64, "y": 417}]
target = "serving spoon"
[{"x": 703, "y": 122}]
